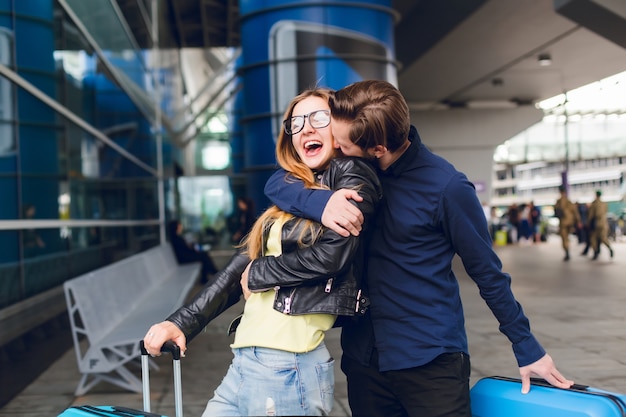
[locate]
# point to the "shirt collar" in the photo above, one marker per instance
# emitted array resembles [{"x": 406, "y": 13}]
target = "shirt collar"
[{"x": 407, "y": 158}]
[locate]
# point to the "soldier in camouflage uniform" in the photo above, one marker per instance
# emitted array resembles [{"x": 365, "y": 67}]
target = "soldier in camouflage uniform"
[
  {"x": 569, "y": 218},
  {"x": 598, "y": 225}
]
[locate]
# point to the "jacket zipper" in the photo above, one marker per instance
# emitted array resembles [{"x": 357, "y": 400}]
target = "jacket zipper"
[
  {"x": 329, "y": 285},
  {"x": 287, "y": 308}
]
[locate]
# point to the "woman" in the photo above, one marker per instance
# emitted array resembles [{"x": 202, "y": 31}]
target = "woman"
[{"x": 301, "y": 278}]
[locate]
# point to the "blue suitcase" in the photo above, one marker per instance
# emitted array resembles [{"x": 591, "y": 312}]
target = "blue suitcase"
[
  {"x": 502, "y": 397},
  {"x": 107, "y": 410}
]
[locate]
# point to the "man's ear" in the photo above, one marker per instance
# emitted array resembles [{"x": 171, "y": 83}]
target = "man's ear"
[{"x": 378, "y": 151}]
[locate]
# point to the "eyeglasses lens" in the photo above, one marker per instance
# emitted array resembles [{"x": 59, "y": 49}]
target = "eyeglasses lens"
[
  {"x": 318, "y": 119},
  {"x": 297, "y": 124}
]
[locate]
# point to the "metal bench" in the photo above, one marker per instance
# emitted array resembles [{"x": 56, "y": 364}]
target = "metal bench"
[{"x": 111, "y": 308}]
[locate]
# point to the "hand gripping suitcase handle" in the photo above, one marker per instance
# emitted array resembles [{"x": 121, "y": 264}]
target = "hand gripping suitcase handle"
[
  {"x": 174, "y": 349},
  {"x": 619, "y": 403},
  {"x": 168, "y": 346}
]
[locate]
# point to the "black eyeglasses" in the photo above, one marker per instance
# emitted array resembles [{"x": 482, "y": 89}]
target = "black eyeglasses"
[{"x": 317, "y": 119}]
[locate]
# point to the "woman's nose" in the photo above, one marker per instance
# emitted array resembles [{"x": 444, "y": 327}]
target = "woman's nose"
[{"x": 307, "y": 126}]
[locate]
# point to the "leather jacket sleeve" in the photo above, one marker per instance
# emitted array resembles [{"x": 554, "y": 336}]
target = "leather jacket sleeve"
[
  {"x": 223, "y": 291},
  {"x": 331, "y": 253}
]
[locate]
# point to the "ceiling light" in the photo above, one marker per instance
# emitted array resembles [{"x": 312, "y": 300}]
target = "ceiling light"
[{"x": 544, "y": 60}]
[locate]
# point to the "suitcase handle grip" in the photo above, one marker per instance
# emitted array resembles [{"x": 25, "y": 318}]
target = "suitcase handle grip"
[
  {"x": 544, "y": 383},
  {"x": 168, "y": 346}
]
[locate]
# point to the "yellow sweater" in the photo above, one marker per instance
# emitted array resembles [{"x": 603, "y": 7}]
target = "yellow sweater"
[{"x": 263, "y": 326}]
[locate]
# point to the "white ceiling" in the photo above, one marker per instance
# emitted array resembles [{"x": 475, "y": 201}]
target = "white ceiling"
[
  {"x": 501, "y": 40},
  {"x": 451, "y": 51}
]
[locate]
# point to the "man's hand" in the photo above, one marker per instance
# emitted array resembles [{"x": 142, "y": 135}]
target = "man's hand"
[
  {"x": 341, "y": 216},
  {"x": 545, "y": 369}
]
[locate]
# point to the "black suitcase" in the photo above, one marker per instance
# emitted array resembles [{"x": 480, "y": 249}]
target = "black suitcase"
[{"x": 110, "y": 410}]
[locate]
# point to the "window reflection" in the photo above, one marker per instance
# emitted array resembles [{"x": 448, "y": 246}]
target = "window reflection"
[{"x": 7, "y": 140}]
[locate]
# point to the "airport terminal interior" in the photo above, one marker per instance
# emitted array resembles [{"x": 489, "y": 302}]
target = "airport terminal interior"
[{"x": 118, "y": 116}]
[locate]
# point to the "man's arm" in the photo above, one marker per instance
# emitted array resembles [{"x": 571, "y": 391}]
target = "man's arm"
[
  {"x": 331, "y": 208},
  {"x": 290, "y": 195},
  {"x": 467, "y": 229}
]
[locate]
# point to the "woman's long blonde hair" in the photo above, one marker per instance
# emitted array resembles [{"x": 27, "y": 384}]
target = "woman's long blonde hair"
[{"x": 290, "y": 161}]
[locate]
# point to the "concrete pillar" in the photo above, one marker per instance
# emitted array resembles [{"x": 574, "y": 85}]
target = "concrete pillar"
[
  {"x": 468, "y": 137},
  {"x": 289, "y": 46}
]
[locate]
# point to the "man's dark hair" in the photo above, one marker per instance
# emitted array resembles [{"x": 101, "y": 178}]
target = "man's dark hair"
[{"x": 377, "y": 111}]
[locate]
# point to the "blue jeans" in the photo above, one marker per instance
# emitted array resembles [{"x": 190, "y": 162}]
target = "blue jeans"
[{"x": 298, "y": 384}]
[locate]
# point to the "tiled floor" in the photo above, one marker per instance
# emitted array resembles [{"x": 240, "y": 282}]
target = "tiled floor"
[{"x": 577, "y": 310}]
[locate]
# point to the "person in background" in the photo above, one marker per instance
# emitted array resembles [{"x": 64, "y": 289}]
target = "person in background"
[
  {"x": 298, "y": 278},
  {"x": 584, "y": 235},
  {"x": 598, "y": 225},
  {"x": 514, "y": 222},
  {"x": 409, "y": 356},
  {"x": 494, "y": 222},
  {"x": 535, "y": 222},
  {"x": 242, "y": 219},
  {"x": 32, "y": 241},
  {"x": 490, "y": 220},
  {"x": 569, "y": 219},
  {"x": 525, "y": 229},
  {"x": 186, "y": 253}
]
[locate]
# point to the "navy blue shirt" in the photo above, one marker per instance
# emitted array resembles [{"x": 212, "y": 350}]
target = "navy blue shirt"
[{"x": 429, "y": 213}]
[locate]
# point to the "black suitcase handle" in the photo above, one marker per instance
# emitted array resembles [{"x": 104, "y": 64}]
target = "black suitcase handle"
[
  {"x": 168, "y": 346},
  {"x": 543, "y": 383}
]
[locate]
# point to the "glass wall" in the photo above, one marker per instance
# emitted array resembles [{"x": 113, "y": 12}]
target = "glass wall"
[{"x": 79, "y": 158}]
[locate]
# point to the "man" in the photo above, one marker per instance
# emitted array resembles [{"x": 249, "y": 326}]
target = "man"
[
  {"x": 569, "y": 218},
  {"x": 410, "y": 357},
  {"x": 598, "y": 225},
  {"x": 584, "y": 235}
]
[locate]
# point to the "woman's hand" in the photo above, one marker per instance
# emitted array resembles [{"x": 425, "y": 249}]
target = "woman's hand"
[
  {"x": 244, "y": 282},
  {"x": 160, "y": 333}
]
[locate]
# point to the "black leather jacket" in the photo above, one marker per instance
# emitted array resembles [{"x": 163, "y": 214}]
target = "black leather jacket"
[{"x": 321, "y": 278}]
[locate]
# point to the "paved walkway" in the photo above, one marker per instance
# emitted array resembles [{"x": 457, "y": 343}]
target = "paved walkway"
[{"x": 577, "y": 310}]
